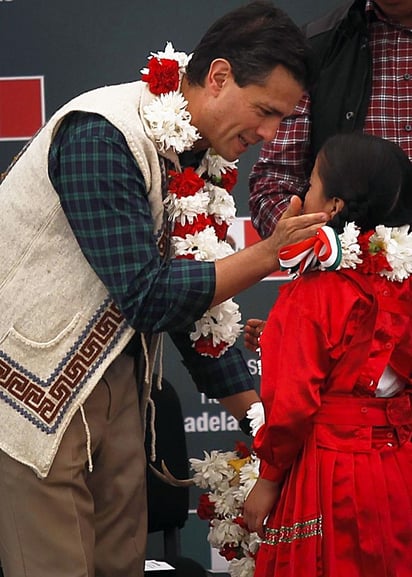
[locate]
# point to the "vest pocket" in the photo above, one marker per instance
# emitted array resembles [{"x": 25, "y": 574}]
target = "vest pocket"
[{"x": 53, "y": 342}]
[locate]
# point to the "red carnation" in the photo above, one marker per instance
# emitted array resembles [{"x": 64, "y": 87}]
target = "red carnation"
[
  {"x": 186, "y": 183},
  {"x": 200, "y": 222},
  {"x": 205, "y": 508},
  {"x": 241, "y": 522},
  {"x": 188, "y": 256},
  {"x": 242, "y": 449},
  {"x": 205, "y": 346},
  {"x": 373, "y": 256},
  {"x": 163, "y": 75},
  {"x": 229, "y": 179},
  {"x": 229, "y": 552},
  {"x": 220, "y": 229}
]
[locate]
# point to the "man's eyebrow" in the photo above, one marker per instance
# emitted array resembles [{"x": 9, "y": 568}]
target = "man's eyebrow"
[{"x": 270, "y": 109}]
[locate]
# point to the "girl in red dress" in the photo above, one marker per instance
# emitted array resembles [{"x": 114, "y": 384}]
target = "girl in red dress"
[{"x": 334, "y": 496}]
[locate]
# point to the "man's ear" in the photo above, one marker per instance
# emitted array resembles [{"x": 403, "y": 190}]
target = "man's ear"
[{"x": 219, "y": 72}]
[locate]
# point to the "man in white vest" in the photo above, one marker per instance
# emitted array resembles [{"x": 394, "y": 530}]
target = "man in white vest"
[{"x": 117, "y": 183}]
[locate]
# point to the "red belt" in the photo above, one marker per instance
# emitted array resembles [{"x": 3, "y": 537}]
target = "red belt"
[{"x": 363, "y": 414}]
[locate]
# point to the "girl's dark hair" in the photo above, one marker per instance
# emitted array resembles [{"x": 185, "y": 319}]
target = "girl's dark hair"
[
  {"x": 254, "y": 38},
  {"x": 373, "y": 176}
]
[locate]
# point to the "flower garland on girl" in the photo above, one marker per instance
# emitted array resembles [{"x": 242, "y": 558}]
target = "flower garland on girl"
[
  {"x": 386, "y": 251},
  {"x": 199, "y": 204}
]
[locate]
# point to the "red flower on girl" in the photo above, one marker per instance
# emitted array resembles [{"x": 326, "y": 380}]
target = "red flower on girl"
[
  {"x": 372, "y": 254},
  {"x": 230, "y": 552},
  {"x": 163, "y": 75},
  {"x": 205, "y": 508},
  {"x": 242, "y": 449},
  {"x": 185, "y": 183}
]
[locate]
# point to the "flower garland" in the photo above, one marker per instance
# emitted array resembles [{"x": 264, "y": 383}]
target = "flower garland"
[
  {"x": 384, "y": 251},
  {"x": 229, "y": 477},
  {"x": 199, "y": 204}
]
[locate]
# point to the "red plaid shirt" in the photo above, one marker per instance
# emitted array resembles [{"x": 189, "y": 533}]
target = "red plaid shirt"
[{"x": 284, "y": 165}]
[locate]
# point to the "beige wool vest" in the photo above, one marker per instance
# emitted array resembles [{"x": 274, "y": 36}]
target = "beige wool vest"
[{"x": 59, "y": 328}]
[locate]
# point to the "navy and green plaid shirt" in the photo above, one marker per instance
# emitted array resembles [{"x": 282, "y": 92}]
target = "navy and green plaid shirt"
[{"x": 103, "y": 195}]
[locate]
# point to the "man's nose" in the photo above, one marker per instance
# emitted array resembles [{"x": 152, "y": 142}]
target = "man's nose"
[{"x": 268, "y": 128}]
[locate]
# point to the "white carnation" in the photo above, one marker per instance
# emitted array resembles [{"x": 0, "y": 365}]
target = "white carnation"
[
  {"x": 226, "y": 502},
  {"x": 249, "y": 474},
  {"x": 221, "y": 205},
  {"x": 244, "y": 567},
  {"x": 215, "y": 165},
  {"x": 214, "y": 470},
  {"x": 256, "y": 414},
  {"x": 220, "y": 322},
  {"x": 225, "y": 531},
  {"x": 202, "y": 245},
  {"x": 170, "y": 122},
  {"x": 186, "y": 208},
  {"x": 398, "y": 250},
  {"x": 350, "y": 246},
  {"x": 170, "y": 53},
  {"x": 254, "y": 542}
]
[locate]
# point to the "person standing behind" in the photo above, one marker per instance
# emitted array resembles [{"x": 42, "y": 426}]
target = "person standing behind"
[
  {"x": 334, "y": 495},
  {"x": 364, "y": 55}
]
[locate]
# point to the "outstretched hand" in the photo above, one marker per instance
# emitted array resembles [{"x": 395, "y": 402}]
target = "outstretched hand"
[{"x": 294, "y": 226}]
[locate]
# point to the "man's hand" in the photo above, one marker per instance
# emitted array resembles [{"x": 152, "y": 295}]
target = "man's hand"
[
  {"x": 294, "y": 226},
  {"x": 244, "y": 268}
]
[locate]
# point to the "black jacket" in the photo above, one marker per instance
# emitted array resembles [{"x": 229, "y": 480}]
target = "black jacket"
[{"x": 340, "y": 98}]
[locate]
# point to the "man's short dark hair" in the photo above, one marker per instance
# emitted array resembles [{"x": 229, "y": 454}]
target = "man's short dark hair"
[{"x": 254, "y": 38}]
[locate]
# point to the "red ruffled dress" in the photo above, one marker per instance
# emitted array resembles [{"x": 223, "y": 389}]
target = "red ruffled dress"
[{"x": 343, "y": 455}]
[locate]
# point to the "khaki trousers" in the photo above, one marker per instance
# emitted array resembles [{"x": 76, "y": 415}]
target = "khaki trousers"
[{"x": 77, "y": 523}]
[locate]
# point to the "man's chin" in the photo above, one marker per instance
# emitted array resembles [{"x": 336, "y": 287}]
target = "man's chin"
[{"x": 228, "y": 155}]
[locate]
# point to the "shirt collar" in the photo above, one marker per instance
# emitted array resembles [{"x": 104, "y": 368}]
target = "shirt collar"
[{"x": 373, "y": 13}]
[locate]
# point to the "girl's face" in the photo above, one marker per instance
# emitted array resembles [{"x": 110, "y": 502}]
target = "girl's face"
[{"x": 315, "y": 198}]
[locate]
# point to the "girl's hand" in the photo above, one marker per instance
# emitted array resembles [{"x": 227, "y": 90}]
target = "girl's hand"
[
  {"x": 252, "y": 331},
  {"x": 259, "y": 504}
]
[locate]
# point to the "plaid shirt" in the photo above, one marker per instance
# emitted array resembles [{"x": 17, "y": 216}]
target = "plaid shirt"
[
  {"x": 103, "y": 195},
  {"x": 284, "y": 165}
]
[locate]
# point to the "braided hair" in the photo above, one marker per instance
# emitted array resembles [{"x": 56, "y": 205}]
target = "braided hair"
[{"x": 373, "y": 177}]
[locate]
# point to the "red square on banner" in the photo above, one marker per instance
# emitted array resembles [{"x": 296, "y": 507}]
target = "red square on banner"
[{"x": 21, "y": 107}]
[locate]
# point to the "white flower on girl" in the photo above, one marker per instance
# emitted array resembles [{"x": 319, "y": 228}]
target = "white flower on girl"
[
  {"x": 398, "y": 250},
  {"x": 229, "y": 477},
  {"x": 350, "y": 246}
]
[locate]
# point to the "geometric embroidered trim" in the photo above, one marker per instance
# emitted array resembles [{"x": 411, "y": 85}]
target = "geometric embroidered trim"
[{"x": 289, "y": 534}]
